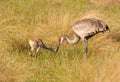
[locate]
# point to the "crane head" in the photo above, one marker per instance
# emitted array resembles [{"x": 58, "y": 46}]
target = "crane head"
[
  {"x": 52, "y": 49},
  {"x": 60, "y": 40}
]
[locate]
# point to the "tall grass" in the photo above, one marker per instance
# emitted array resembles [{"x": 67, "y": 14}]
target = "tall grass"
[{"x": 23, "y": 19}]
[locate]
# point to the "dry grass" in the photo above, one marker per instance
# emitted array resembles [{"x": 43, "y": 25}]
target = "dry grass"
[
  {"x": 20, "y": 20},
  {"x": 104, "y": 2}
]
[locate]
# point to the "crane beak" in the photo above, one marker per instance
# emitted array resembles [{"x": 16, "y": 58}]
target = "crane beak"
[{"x": 58, "y": 46}]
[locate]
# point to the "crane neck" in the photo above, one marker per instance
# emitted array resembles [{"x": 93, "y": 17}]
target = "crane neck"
[
  {"x": 72, "y": 41},
  {"x": 47, "y": 48}
]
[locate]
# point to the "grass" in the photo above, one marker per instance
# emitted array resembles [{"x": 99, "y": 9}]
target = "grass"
[{"x": 23, "y": 19}]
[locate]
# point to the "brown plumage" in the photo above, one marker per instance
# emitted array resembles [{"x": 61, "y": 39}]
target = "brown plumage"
[{"x": 36, "y": 44}]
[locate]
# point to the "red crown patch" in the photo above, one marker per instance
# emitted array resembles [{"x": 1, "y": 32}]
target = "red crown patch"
[{"x": 59, "y": 39}]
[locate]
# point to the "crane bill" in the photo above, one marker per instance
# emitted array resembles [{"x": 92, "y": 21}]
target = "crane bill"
[{"x": 58, "y": 46}]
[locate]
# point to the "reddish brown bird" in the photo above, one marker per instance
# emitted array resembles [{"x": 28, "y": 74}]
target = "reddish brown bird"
[
  {"x": 85, "y": 29},
  {"x": 36, "y": 44}
]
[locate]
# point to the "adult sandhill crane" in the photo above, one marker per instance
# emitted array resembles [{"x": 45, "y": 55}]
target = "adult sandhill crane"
[
  {"x": 85, "y": 29},
  {"x": 36, "y": 44}
]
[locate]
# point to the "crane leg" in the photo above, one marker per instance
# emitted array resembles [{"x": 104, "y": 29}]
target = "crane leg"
[
  {"x": 31, "y": 51},
  {"x": 85, "y": 46},
  {"x": 37, "y": 52}
]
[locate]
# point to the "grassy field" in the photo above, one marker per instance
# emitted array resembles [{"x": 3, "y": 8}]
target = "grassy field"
[{"x": 49, "y": 19}]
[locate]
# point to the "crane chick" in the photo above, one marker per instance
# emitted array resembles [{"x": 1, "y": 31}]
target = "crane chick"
[{"x": 36, "y": 44}]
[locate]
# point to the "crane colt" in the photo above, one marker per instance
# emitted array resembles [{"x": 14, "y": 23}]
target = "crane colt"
[{"x": 36, "y": 44}]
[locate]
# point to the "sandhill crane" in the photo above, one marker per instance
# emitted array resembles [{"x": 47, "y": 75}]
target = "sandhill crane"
[
  {"x": 85, "y": 29},
  {"x": 36, "y": 44}
]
